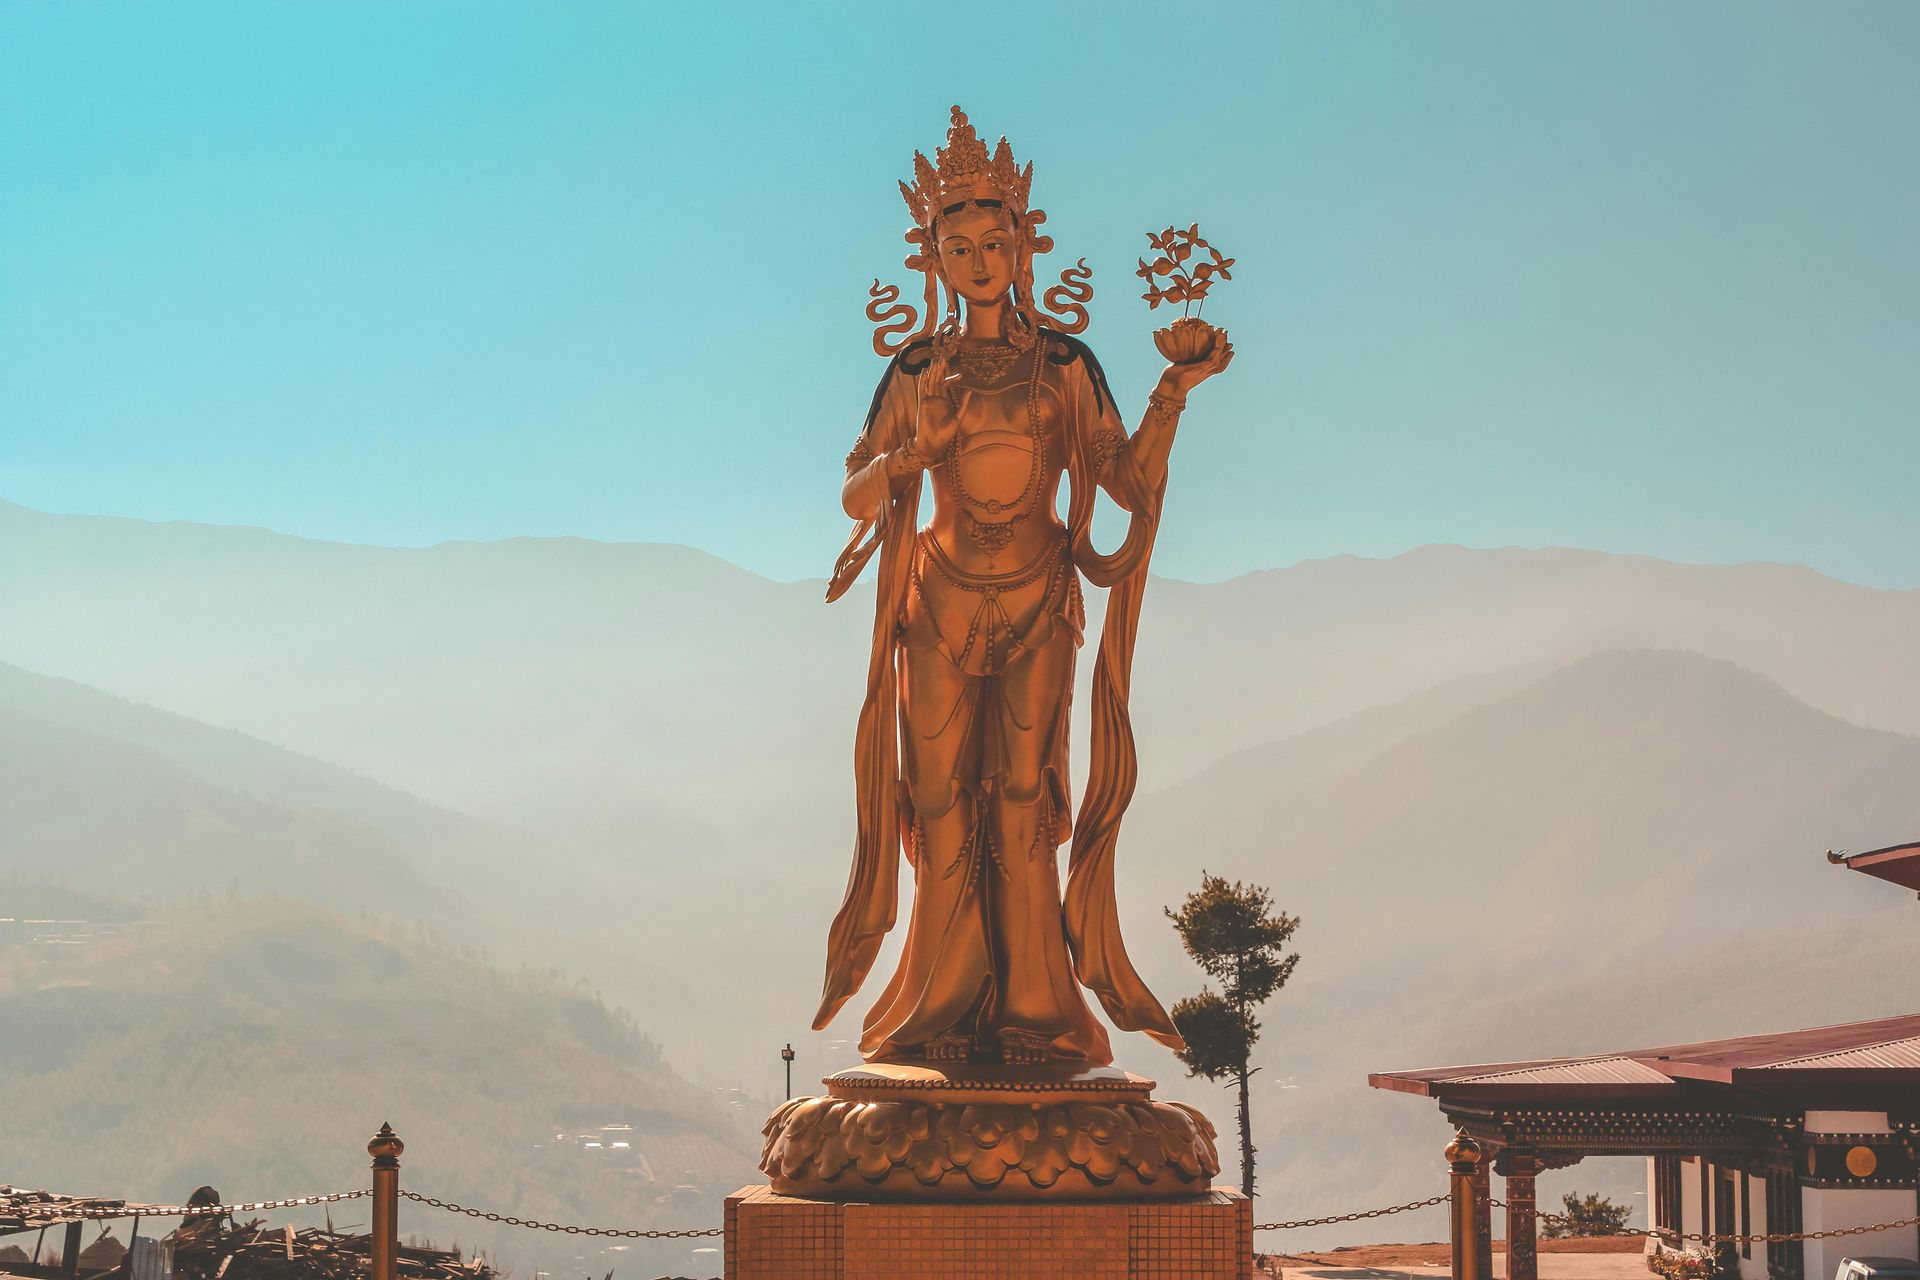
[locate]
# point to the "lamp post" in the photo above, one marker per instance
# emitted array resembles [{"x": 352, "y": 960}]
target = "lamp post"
[{"x": 786, "y": 1056}]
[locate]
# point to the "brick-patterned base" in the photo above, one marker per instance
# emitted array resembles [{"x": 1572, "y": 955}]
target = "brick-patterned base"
[{"x": 772, "y": 1237}]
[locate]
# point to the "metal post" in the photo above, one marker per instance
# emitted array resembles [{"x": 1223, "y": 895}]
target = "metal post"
[
  {"x": 385, "y": 1148},
  {"x": 1519, "y": 1168},
  {"x": 70, "y": 1255},
  {"x": 786, "y": 1056},
  {"x": 1483, "y": 1219},
  {"x": 1463, "y": 1161}
]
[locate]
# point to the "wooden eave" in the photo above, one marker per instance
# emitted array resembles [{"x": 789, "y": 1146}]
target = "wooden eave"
[
  {"x": 1522, "y": 1094},
  {"x": 1896, "y": 864}
]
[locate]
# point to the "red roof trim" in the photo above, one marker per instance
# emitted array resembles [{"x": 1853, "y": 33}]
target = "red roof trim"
[{"x": 1897, "y": 864}]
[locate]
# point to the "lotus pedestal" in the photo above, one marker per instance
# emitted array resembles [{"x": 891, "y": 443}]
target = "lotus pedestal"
[{"x": 947, "y": 1170}]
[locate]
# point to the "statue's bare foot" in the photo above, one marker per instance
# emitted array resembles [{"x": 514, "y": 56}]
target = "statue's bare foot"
[
  {"x": 950, "y": 1046},
  {"x": 1019, "y": 1048}
]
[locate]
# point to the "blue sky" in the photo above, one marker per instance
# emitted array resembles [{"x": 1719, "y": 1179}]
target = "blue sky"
[{"x": 1634, "y": 276}]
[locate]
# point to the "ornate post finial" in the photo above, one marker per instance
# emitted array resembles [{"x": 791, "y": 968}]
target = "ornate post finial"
[{"x": 386, "y": 1144}]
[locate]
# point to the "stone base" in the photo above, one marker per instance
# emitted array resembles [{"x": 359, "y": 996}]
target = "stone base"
[
  {"x": 779, "y": 1237},
  {"x": 942, "y": 1132}
]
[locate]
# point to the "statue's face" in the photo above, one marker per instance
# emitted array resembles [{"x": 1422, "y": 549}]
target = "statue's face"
[{"x": 978, "y": 251}]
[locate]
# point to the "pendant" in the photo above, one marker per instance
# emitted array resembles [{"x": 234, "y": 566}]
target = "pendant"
[{"x": 991, "y": 538}]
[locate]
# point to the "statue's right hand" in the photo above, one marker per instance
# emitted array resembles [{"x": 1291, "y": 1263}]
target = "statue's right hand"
[{"x": 938, "y": 419}]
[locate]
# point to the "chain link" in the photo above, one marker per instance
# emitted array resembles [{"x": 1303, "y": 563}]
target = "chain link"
[
  {"x": 1351, "y": 1217},
  {"x": 55, "y": 1213},
  {"x": 512, "y": 1221}
]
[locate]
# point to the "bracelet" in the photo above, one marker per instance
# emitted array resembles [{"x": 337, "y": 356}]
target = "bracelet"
[
  {"x": 910, "y": 457},
  {"x": 1158, "y": 401}
]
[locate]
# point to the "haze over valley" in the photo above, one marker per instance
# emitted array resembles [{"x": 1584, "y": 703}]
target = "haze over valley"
[{"x": 1508, "y": 791}]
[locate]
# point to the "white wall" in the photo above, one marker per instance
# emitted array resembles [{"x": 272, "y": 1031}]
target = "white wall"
[
  {"x": 1847, "y": 1122},
  {"x": 1826, "y": 1210},
  {"x": 1755, "y": 1268},
  {"x": 1691, "y": 1211}
]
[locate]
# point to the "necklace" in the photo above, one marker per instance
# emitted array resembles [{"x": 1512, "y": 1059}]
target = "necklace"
[
  {"x": 988, "y": 362},
  {"x": 993, "y": 536}
]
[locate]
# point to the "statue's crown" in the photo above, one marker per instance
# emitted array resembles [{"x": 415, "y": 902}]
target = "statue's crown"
[{"x": 962, "y": 171}]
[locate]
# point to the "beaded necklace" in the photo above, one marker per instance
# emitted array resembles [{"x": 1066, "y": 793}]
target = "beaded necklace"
[{"x": 993, "y": 536}]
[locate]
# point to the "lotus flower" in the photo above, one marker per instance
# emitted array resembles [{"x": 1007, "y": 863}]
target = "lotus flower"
[{"x": 1188, "y": 340}]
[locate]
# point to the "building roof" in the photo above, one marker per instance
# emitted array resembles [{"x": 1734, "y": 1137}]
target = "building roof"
[
  {"x": 1897, "y": 863},
  {"x": 1885, "y": 1051}
]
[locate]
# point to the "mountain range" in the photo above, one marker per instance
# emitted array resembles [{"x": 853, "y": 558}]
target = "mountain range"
[{"x": 1499, "y": 787}]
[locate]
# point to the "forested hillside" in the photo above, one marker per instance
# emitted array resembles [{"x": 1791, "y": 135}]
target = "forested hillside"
[{"x": 255, "y": 1045}]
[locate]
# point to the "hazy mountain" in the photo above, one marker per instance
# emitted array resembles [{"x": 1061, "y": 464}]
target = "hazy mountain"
[
  {"x": 255, "y": 1046},
  {"x": 1654, "y": 783},
  {"x": 1508, "y": 791},
  {"x": 651, "y": 701},
  {"x": 613, "y": 693},
  {"x": 232, "y": 760},
  {"x": 100, "y": 792},
  {"x": 96, "y": 791},
  {"x": 1270, "y": 654},
  {"x": 1526, "y": 878}
]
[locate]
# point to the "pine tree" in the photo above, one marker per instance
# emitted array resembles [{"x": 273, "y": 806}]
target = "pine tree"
[
  {"x": 1589, "y": 1215},
  {"x": 1236, "y": 937}
]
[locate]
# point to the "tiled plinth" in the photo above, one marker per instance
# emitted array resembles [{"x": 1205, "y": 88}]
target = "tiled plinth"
[{"x": 772, "y": 1237}]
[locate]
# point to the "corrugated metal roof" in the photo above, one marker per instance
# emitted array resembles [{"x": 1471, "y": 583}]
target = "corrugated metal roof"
[
  {"x": 1573, "y": 1071},
  {"x": 1904, "y": 1053},
  {"x": 1749, "y": 1052}
]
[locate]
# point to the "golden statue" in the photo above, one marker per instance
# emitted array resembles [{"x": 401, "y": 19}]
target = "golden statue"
[{"x": 961, "y": 755}]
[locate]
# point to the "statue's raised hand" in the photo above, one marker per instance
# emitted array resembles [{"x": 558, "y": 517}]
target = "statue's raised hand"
[{"x": 938, "y": 418}]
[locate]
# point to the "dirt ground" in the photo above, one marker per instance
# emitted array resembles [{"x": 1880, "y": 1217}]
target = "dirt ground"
[{"x": 1614, "y": 1258}]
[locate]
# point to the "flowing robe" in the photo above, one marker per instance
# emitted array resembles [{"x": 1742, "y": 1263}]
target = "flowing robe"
[{"x": 1095, "y": 450}]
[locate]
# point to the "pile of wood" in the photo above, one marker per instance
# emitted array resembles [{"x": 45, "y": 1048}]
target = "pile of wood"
[
  {"x": 255, "y": 1251},
  {"x": 25, "y": 1210},
  {"x": 211, "y": 1247}
]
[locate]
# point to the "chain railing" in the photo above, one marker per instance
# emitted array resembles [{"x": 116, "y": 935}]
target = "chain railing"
[
  {"x": 386, "y": 1192},
  {"x": 59, "y": 1213},
  {"x": 54, "y": 1212},
  {"x": 1351, "y": 1217},
  {"x": 1710, "y": 1237},
  {"x": 1542, "y": 1215},
  {"x": 613, "y": 1232}
]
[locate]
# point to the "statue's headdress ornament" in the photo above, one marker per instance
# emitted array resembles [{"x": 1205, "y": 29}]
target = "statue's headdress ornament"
[{"x": 962, "y": 173}]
